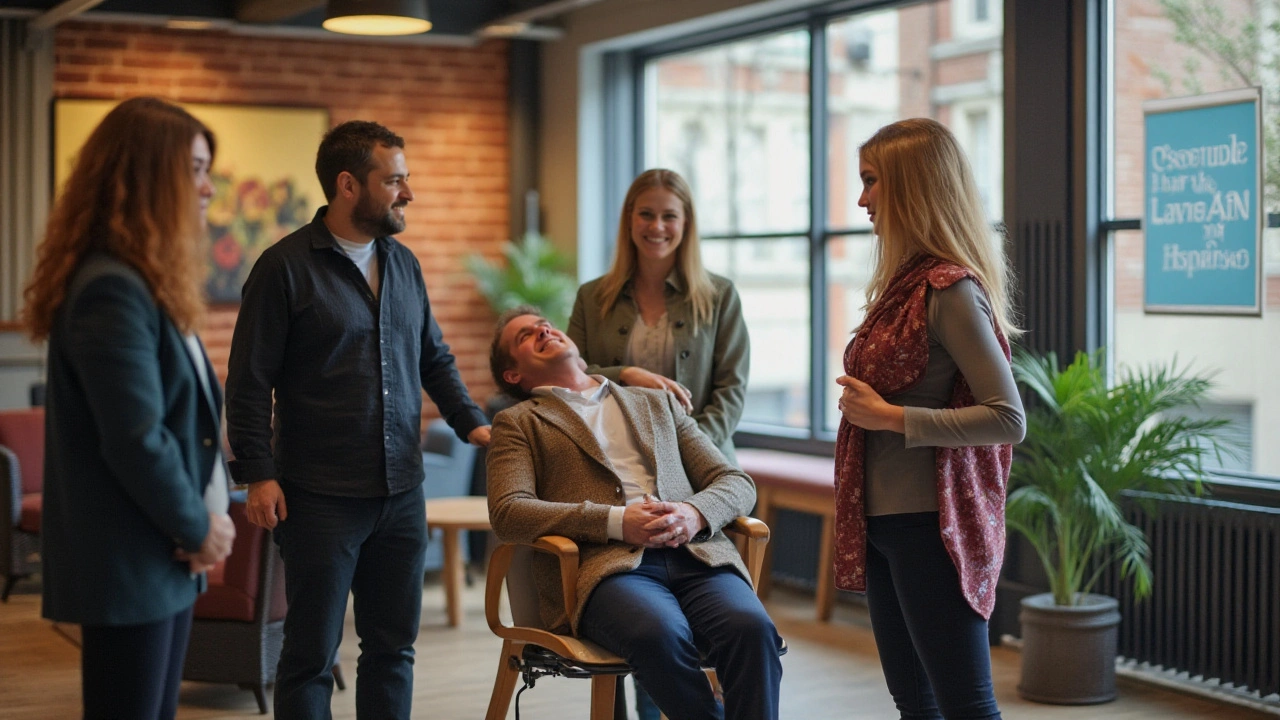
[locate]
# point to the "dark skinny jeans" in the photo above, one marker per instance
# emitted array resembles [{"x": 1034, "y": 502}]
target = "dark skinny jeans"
[{"x": 933, "y": 646}]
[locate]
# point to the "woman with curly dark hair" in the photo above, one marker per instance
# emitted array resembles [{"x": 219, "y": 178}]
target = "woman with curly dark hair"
[{"x": 135, "y": 495}]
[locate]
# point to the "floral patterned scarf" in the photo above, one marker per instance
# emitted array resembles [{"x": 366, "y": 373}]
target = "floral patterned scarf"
[{"x": 890, "y": 353}]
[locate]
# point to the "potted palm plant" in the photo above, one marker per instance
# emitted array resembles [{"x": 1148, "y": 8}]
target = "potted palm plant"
[
  {"x": 1087, "y": 444},
  {"x": 535, "y": 273}
]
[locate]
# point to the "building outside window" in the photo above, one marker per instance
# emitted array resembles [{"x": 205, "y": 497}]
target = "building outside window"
[{"x": 1173, "y": 48}]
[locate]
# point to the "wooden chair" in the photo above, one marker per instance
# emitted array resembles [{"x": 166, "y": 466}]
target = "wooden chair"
[{"x": 530, "y": 649}]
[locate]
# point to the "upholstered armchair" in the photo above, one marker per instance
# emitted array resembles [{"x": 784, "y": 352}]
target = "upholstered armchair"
[
  {"x": 449, "y": 463},
  {"x": 21, "y": 482}
]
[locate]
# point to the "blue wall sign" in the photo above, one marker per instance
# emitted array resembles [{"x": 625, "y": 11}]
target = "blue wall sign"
[{"x": 1203, "y": 214}]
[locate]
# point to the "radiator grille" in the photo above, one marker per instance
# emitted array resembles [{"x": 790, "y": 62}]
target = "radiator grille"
[{"x": 1214, "y": 611}]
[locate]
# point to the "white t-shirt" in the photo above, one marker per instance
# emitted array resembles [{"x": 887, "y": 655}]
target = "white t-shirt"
[{"x": 365, "y": 256}]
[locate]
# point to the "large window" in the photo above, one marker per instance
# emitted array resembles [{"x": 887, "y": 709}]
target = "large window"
[
  {"x": 1172, "y": 48},
  {"x": 774, "y": 168}
]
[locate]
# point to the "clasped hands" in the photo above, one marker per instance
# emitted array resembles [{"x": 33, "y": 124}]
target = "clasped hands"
[
  {"x": 216, "y": 545},
  {"x": 653, "y": 523}
]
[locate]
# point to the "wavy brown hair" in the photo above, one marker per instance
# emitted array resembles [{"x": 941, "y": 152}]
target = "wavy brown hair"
[
  {"x": 929, "y": 204},
  {"x": 131, "y": 194},
  {"x": 698, "y": 287}
]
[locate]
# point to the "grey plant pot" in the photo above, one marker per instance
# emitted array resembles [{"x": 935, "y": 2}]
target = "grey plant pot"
[{"x": 1069, "y": 652}]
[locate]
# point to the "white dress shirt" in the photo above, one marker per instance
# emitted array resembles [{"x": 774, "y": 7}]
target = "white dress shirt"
[{"x": 599, "y": 409}]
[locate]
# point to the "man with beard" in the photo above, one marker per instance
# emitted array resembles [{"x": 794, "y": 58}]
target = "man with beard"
[{"x": 336, "y": 328}]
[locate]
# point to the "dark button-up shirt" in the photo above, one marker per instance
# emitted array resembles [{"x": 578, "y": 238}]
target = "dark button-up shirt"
[{"x": 345, "y": 368}]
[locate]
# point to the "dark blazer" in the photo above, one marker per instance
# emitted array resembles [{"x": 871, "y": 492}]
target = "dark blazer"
[
  {"x": 130, "y": 445},
  {"x": 549, "y": 476},
  {"x": 713, "y": 360}
]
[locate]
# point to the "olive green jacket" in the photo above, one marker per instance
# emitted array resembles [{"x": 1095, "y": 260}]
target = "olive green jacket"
[{"x": 713, "y": 360}]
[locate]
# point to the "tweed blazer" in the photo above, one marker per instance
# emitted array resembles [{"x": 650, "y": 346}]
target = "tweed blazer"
[
  {"x": 713, "y": 360},
  {"x": 548, "y": 476}
]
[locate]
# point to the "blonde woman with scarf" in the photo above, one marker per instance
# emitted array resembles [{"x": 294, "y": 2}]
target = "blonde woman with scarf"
[{"x": 930, "y": 414}]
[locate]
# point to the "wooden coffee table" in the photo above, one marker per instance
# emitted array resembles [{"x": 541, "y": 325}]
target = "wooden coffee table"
[{"x": 452, "y": 515}]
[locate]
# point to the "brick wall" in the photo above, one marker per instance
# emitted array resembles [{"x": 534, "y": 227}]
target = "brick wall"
[{"x": 448, "y": 103}]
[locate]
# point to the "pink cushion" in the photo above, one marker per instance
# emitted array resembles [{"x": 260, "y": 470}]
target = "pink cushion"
[
  {"x": 792, "y": 471},
  {"x": 22, "y": 431},
  {"x": 29, "y": 520}
]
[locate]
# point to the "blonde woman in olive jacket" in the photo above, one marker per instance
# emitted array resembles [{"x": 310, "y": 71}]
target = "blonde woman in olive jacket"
[{"x": 658, "y": 319}]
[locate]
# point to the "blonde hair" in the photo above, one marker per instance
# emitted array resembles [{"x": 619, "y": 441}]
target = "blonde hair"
[
  {"x": 132, "y": 194},
  {"x": 929, "y": 204},
  {"x": 697, "y": 281}
]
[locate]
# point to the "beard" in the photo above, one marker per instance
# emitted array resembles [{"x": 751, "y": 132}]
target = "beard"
[{"x": 372, "y": 220}]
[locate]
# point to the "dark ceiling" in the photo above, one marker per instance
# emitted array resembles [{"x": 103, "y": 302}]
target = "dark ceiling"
[{"x": 457, "y": 18}]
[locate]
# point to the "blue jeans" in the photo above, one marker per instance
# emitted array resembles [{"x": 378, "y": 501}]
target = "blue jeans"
[
  {"x": 646, "y": 709},
  {"x": 374, "y": 549},
  {"x": 133, "y": 671},
  {"x": 933, "y": 646},
  {"x": 668, "y": 614}
]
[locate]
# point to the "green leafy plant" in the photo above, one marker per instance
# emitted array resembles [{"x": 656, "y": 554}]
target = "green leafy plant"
[
  {"x": 1088, "y": 443},
  {"x": 535, "y": 273}
]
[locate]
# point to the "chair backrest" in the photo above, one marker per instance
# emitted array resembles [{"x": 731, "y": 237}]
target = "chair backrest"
[
  {"x": 22, "y": 431},
  {"x": 522, "y": 593}
]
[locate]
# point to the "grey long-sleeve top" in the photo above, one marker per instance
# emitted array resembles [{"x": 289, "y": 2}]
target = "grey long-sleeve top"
[{"x": 901, "y": 474}]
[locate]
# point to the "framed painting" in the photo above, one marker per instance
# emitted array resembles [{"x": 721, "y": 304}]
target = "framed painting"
[{"x": 264, "y": 177}]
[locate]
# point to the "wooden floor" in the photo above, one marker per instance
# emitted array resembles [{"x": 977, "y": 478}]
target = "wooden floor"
[{"x": 831, "y": 671}]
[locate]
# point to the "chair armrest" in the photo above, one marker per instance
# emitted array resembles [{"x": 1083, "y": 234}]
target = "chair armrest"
[
  {"x": 11, "y": 492},
  {"x": 750, "y": 527},
  {"x": 750, "y": 535},
  {"x": 564, "y": 549}
]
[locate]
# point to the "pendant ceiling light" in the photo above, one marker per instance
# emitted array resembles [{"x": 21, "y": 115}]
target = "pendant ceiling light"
[{"x": 377, "y": 17}]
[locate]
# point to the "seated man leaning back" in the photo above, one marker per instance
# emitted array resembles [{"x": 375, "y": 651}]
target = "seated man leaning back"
[{"x": 626, "y": 474}]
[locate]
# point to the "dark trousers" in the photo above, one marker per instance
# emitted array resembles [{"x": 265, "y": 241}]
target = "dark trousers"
[
  {"x": 668, "y": 614},
  {"x": 372, "y": 548},
  {"x": 133, "y": 672},
  {"x": 933, "y": 646}
]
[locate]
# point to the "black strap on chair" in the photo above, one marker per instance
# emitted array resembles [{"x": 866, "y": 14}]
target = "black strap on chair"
[{"x": 536, "y": 662}]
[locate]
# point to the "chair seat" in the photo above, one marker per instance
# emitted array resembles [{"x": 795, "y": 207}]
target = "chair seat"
[
  {"x": 29, "y": 520},
  {"x": 223, "y": 602},
  {"x": 590, "y": 659}
]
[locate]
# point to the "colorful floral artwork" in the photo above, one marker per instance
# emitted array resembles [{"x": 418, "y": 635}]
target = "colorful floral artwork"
[
  {"x": 245, "y": 217},
  {"x": 265, "y": 185}
]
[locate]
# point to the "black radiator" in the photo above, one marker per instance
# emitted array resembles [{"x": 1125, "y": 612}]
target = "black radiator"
[{"x": 1214, "y": 610}]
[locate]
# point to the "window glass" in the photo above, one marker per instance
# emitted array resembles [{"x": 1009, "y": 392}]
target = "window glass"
[
  {"x": 733, "y": 119},
  {"x": 772, "y": 278},
  {"x": 848, "y": 271},
  {"x": 881, "y": 68},
  {"x": 1176, "y": 48}
]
